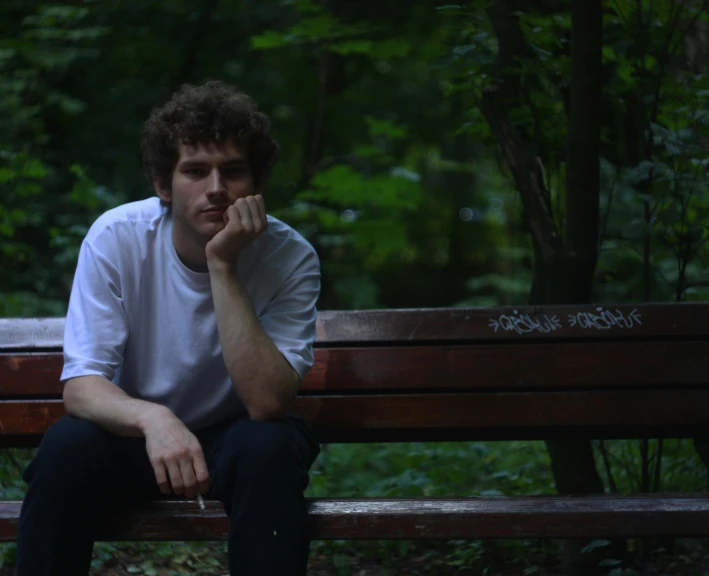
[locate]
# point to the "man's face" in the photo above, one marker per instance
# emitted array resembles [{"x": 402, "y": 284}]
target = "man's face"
[{"x": 206, "y": 181}]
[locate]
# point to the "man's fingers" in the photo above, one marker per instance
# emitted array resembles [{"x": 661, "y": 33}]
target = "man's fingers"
[
  {"x": 247, "y": 215},
  {"x": 244, "y": 215},
  {"x": 233, "y": 216},
  {"x": 258, "y": 222},
  {"x": 262, "y": 209},
  {"x": 188, "y": 477},
  {"x": 161, "y": 478},
  {"x": 173, "y": 469},
  {"x": 201, "y": 473}
]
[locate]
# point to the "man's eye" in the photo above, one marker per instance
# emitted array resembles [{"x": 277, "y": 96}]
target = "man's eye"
[{"x": 194, "y": 172}]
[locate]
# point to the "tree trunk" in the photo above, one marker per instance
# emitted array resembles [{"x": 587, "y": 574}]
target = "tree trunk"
[
  {"x": 573, "y": 460},
  {"x": 562, "y": 273},
  {"x": 583, "y": 150},
  {"x": 186, "y": 72}
]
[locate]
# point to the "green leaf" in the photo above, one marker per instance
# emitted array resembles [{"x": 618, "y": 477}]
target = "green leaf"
[
  {"x": 451, "y": 9},
  {"x": 71, "y": 106},
  {"x": 393, "y": 49},
  {"x": 385, "y": 128},
  {"x": 307, "y": 7},
  {"x": 268, "y": 40},
  {"x": 34, "y": 169},
  {"x": 315, "y": 27},
  {"x": 401, "y": 172},
  {"x": 608, "y": 53},
  {"x": 368, "y": 151},
  {"x": 354, "y": 47},
  {"x": 7, "y": 174},
  {"x": 465, "y": 49},
  {"x": 600, "y": 543}
]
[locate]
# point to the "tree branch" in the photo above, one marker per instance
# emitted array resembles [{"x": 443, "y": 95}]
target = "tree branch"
[{"x": 528, "y": 175}]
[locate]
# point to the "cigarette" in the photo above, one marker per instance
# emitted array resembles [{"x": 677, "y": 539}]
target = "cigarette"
[{"x": 200, "y": 501}]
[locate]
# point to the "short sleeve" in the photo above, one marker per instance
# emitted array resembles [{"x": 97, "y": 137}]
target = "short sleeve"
[
  {"x": 96, "y": 327},
  {"x": 289, "y": 319}
]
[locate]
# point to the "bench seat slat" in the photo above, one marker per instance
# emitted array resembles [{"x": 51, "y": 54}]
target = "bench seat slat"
[
  {"x": 468, "y": 518},
  {"x": 499, "y": 366},
  {"x": 528, "y": 415}
]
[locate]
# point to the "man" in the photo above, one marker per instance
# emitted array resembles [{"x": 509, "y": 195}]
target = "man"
[{"x": 190, "y": 326}]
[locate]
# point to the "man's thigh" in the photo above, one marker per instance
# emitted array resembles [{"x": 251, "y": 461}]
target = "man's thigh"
[{"x": 76, "y": 451}]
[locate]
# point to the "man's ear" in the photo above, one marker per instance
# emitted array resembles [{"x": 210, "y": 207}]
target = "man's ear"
[{"x": 164, "y": 194}]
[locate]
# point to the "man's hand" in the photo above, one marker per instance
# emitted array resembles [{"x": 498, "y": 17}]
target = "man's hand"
[
  {"x": 244, "y": 220},
  {"x": 176, "y": 456}
]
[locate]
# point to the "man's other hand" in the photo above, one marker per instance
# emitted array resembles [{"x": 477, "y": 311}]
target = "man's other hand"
[{"x": 176, "y": 456}]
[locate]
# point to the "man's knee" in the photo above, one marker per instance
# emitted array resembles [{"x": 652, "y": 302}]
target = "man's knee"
[
  {"x": 254, "y": 448},
  {"x": 262, "y": 440},
  {"x": 69, "y": 453}
]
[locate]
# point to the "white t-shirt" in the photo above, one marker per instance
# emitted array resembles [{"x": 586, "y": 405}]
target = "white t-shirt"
[{"x": 140, "y": 318}]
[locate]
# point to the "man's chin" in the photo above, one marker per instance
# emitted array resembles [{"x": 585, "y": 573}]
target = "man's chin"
[{"x": 209, "y": 231}]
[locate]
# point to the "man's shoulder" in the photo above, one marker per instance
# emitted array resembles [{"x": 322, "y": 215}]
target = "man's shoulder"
[
  {"x": 283, "y": 241},
  {"x": 277, "y": 255},
  {"x": 142, "y": 215}
]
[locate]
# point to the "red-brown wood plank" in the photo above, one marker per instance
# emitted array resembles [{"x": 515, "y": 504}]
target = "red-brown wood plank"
[
  {"x": 31, "y": 417},
  {"x": 34, "y": 374},
  {"x": 514, "y": 322},
  {"x": 460, "y": 324},
  {"x": 469, "y": 518},
  {"x": 513, "y": 366},
  {"x": 515, "y": 414},
  {"x": 513, "y": 410}
]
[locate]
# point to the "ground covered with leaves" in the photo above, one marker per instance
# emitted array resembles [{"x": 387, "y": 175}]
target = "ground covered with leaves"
[{"x": 691, "y": 558}]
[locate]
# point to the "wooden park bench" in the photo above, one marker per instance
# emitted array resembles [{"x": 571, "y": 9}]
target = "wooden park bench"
[{"x": 445, "y": 374}]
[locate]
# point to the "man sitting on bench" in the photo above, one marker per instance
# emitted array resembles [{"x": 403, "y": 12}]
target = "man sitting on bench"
[{"x": 190, "y": 327}]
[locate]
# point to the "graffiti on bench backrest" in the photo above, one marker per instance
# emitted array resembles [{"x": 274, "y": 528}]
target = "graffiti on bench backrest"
[{"x": 600, "y": 319}]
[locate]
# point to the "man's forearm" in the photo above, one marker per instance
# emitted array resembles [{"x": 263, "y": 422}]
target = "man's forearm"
[
  {"x": 97, "y": 400},
  {"x": 263, "y": 379}
]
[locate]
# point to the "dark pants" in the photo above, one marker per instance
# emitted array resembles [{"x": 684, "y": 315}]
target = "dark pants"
[{"x": 258, "y": 470}]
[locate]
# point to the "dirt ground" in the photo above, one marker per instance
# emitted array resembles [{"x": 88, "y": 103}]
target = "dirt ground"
[{"x": 689, "y": 563}]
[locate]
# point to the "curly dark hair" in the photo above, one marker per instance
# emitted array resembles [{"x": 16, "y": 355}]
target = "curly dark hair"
[{"x": 214, "y": 112}]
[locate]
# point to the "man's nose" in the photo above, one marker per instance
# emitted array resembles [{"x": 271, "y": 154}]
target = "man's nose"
[{"x": 215, "y": 183}]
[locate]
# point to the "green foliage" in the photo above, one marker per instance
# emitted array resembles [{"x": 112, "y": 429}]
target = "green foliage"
[
  {"x": 415, "y": 470},
  {"x": 655, "y": 146},
  {"x": 35, "y": 57},
  {"x": 316, "y": 26}
]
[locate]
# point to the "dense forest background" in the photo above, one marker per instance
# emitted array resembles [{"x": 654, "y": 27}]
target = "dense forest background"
[{"x": 478, "y": 154}]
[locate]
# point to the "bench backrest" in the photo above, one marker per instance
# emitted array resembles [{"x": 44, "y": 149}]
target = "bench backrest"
[{"x": 450, "y": 374}]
